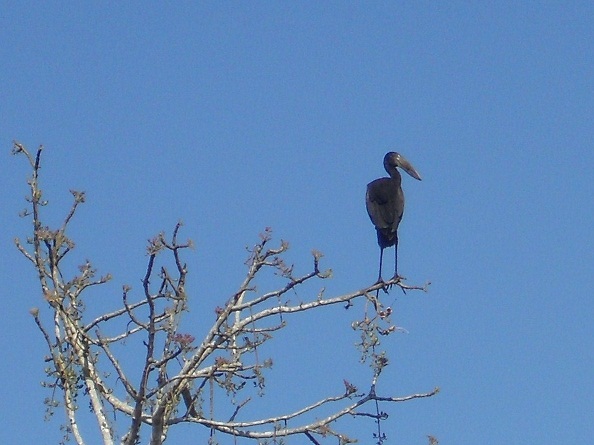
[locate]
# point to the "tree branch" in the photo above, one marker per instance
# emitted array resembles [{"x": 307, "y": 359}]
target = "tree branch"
[{"x": 174, "y": 369}]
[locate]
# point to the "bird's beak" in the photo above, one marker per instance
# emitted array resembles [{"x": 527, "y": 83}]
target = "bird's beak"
[{"x": 408, "y": 168}]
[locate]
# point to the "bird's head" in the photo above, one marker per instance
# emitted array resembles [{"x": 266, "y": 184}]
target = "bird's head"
[{"x": 392, "y": 160}]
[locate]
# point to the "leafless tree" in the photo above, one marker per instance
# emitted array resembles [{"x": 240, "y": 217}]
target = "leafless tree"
[{"x": 180, "y": 379}]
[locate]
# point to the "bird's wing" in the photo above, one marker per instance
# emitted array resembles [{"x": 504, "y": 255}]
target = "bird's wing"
[
  {"x": 378, "y": 205},
  {"x": 380, "y": 202}
]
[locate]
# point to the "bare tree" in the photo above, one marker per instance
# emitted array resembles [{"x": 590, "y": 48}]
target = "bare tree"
[{"x": 180, "y": 379}]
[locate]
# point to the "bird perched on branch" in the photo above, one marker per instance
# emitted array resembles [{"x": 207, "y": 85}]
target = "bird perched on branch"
[{"x": 385, "y": 205}]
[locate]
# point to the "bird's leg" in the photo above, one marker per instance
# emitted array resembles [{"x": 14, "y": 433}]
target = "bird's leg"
[
  {"x": 379, "y": 275},
  {"x": 396, "y": 278},
  {"x": 380, "y": 280},
  {"x": 396, "y": 259}
]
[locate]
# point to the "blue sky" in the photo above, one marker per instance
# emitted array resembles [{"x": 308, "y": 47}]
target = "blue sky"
[{"x": 235, "y": 116}]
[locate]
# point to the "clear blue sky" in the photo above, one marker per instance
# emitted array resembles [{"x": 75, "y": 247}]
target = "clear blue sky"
[{"x": 240, "y": 115}]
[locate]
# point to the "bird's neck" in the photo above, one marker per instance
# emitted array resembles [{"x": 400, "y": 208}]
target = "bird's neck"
[{"x": 395, "y": 175}]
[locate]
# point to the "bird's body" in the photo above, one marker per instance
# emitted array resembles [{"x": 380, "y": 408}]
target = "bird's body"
[{"x": 385, "y": 205}]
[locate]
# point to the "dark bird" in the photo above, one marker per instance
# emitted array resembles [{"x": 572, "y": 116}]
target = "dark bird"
[{"x": 385, "y": 205}]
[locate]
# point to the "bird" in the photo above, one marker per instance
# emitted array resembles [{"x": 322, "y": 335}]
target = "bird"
[{"x": 385, "y": 205}]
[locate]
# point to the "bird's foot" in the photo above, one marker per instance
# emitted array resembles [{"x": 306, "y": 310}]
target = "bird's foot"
[
  {"x": 396, "y": 280},
  {"x": 385, "y": 287},
  {"x": 392, "y": 282}
]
